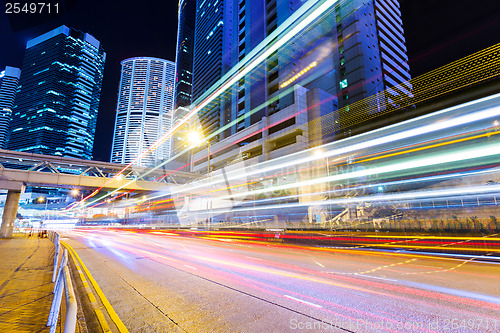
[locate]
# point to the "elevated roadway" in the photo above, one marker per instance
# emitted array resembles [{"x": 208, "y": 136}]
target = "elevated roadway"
[{"x": 20, "y": 169}]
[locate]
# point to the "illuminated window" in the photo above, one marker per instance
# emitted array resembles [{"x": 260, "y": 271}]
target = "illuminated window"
[{"x": 343, "y": 84}]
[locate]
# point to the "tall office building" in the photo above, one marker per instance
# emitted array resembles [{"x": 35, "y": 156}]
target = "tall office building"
[
  {"x": 370, "y": 57},
  {"x": 215, "y": 54},
  {"x": 256, "y": 21},
  {"x": 144, "y": 111},
  {"x": 354, "y": 50},
  {"x": 9, "y": 82},
  {"x": 183, "y": 74},
  {"x": 366, "y": 55},
  {"x": 56, "y": 108},
  {"x": 184, "y": 56},
  {"x": 226, "y": 31}
]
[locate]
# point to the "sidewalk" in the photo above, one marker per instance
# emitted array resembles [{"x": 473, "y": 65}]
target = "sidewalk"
[{"x": 26, "y": 265}]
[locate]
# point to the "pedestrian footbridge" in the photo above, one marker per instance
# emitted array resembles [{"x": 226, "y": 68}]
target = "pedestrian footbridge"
[{"x": 19, "y": 169}]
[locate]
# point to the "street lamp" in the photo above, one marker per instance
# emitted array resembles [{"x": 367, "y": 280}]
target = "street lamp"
[
  {"x": 196, "y": 139},
  {"x": 75, "y": 192},
  {"x": 42, "y": 200},
  {"x": 321, "y": 153}
]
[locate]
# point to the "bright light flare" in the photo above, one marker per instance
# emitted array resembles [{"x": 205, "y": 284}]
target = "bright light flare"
[{"x": 195, "y": 138}]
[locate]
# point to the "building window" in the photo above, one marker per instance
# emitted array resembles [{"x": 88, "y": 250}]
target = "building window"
[
  {"x": 241, "y": 106},
  {"x": 341, "y": 49},
  {"x": 343, "y": 84},
  {"x": 273, "y": 89},
  {"x": 342, "y": 61}
]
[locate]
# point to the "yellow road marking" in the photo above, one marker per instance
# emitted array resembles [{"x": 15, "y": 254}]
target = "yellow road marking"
[
  {"x": 442, "y": 270},
  {"x": 119, "y": 324},
  {"x": 386, "y": 266},
  {"x": 91, "y": 298},
  {"x": 102, "y": 320}
]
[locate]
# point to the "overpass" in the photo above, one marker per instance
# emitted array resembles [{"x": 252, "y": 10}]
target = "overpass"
[{"x": 20, "y": 169}]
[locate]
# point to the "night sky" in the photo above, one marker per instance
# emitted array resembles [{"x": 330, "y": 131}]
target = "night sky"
[{"x": 436, "y": 31}]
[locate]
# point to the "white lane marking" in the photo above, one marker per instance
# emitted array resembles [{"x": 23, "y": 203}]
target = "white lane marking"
[
  {"x": 254, "y": 258},
  {"x": 302, "y": 301},
  {"x": 191, "y": 267},
  {"x": 318, "y": 263},
  {"x": 376, "y": 277},
  {"x": 186, "y": 249}
]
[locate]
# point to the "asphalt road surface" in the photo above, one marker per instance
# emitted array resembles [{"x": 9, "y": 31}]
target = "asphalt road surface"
[{"x": 165, "y": 282}]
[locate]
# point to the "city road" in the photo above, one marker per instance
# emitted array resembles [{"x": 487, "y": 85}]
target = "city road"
[{"x": 162, "y": 281}]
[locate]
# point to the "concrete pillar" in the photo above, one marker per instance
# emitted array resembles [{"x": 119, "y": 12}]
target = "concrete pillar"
[{"x": 9, "y": 213}]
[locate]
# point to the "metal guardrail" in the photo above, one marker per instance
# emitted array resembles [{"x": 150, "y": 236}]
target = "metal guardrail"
[{"x": 62, "y": 280}]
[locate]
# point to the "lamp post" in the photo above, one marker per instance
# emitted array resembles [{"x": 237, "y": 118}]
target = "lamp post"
[
  {"x": 322, "y": 154},
  {"x": 196, "y": 139},
  {"x": 41, "y": 200},
  {"x": 75, "y": 193}
]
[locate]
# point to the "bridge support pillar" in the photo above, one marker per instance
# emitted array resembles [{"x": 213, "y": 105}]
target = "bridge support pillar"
[{"x": 10, "y": 212}]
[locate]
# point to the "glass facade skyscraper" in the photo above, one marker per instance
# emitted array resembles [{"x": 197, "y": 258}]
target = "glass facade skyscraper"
[
  {"x": 298, "y": 95},
  {"x": 184, "y": 56},
  {"x": 9, "y": 82},
  {"x": 144, "y": 111},
  {"x": 56, "y": 108},
  {"x": 359, "y": 48},
  {"x": 215, "y": 54},
  {"x": 183, "y": 73}
]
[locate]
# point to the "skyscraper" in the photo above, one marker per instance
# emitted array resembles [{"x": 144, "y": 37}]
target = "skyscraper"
[
  {"x": 183, "y": 73},
  {"x": 366, "y": 54},
  {"x": 370, "y": 55},
  {"x": 184, "y": 56},
  {"x": 214, "y": 55},
  {"x": 144, "y": 111},
  {"x": 56, "y": 108},
  {"x": 9, "y": 82},
  {"x": 353, "y": 50}
]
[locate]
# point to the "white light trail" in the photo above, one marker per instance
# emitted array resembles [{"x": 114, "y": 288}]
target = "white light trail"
[{"x": 462, "y": 155}]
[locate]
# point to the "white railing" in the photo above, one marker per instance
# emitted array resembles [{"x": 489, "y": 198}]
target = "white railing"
[{"x": 62, "y": 280}]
